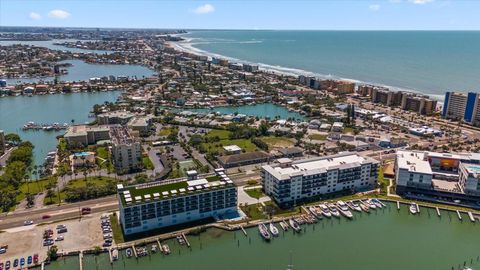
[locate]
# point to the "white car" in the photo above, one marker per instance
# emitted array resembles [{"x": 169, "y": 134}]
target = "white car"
[
  {"x": 27, "y": 222},
  {"x": 59, "y": 238}
]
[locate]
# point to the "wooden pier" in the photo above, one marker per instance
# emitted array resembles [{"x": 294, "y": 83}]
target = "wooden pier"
[
  {"x": 459, "y": 215},
  {"x": 160, "y": 247},
  {"x": 186, "y": 240},
  {"x": 42, "y": 266},
  {"x": 470, "y": 215},
  {"x": 398, "y": 205},
  {"x": 110, "y": 255},
  {"x": 80, "y": 260},
  {"x": 134, "y": 251},
  {"x": 418, "y": 208},
  {"x": 438, "y": 211},
  {"x": 243, "y": 230}
]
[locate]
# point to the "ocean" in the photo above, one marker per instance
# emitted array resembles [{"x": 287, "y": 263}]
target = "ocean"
[{"x": 429, "y": 62}]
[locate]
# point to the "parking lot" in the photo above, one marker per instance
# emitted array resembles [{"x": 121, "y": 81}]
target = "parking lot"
[{"x": 28, "y": 240}]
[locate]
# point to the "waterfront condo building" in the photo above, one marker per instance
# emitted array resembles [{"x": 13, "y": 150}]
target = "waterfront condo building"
[
  {"x": 167, "y": 203},
  {"x": 85, "y": 134},
  {"x": 126, "y": 150},
  {"x": 462, "y": 106},
  {"x": 453, "y": 176},
  {"x": 289, "y": 182}
]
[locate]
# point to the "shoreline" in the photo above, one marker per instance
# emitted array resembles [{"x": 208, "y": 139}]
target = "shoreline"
[{"x": 188, "y": 46}]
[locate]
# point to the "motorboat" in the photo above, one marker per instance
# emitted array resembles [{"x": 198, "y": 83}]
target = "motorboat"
[
  {"x": 413, "y": 208},
  {"x": 364, "y": 207},
  {"x": 325, "y": 211},
  {"x": 264, "y": 232},
  {"x": 354, "y": 206},
  {"x": 371, "y": 204},
  {"x": 315, "y": 212},
  {"x": 273, "y": 229},
  {"x": 333, "y": 210},
  {"x": 294, "y": 225},
  {"x": 378, "y": 203},
  {"x": 284, "y": 225},
  {"x": 343, "y": 208},
  {"x": 129, "y": 252},
  {"x": 165, "y": 249}
]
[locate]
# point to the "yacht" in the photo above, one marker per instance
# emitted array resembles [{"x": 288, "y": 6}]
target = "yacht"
[
  {"x": 333, "y": 210},
  {"x": 129, "y": 252},
  {"x": 294, "y": 225},
  {"x": 413, "y": 208},
  {"x": 325, "y": 211},
  {"x": 364, "y": 207},
  {"x": 273, "y": 229},
  {"x": 343, "y": 208},
  {"x": 378, "y": 203},
  {"x": 317, "y": 213},
  {"x": 165, "y": 249},
  {"x": 371, "y": 204},
  {"x": 284, "y": 225},
  {"x": 264, "y": 232},
  {"x": 354, "y": 206}
]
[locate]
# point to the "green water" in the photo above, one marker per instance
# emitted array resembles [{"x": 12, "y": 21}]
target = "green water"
[
  {"x": 385, "y": 239},
  {"x": 17, "y": 111},
  {"x": 263, "y": 110}
]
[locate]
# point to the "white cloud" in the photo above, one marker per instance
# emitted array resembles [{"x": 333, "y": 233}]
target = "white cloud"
[
  {"x": 34, "y": 16},
  {"x": 420, "y": 2},
  {"x": 374, "y": 7},
  {"x": 58, "y": 14},
  {"x": 204, "y": 9}
]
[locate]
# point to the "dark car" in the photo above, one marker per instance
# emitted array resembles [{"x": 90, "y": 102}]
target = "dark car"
[
  {"x": 46, "y": 216},
  {"x": 15, "y": 263}
]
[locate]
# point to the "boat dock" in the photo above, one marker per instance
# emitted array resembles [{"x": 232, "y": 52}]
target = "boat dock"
[
  {"x": 42, "y": 266},
  {"x": 418, "y": 208},
  {"x": 459, "y": 215},
  {"x": 243, "y": 230},
  {"x": 160, "y": 247},
  {"x": 47, "y": 127},
  {"x": 186, "y": 240},
  {"x": 470, "y": 215},
  {"x": 438, "y": 211},
  {"x": 80, "y": 260},
  {"x": 134, "y": 251},
  {"x": 398, "y": 205},
  {"x": 110, "y": 255}
]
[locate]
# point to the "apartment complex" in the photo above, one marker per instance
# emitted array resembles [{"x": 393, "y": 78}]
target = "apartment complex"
[
  {"x": 2, "y": 142},
  {"x": 116, "y": 117},
  {"x": 86, "y": 135},
  {"x": 290, "y": 181},
  {"x": 126, "y": 150},
  {"x": 167, "y": 203},
  {"x": 454, "y": 176},
  {"x": 462, "y": 106},
  {"x": 405, "y": 100}
]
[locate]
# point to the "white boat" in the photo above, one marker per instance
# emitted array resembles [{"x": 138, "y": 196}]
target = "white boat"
[
  {"x": 273, "y": 229},
  {"x": 325, "y": 210},
  {"x": 294, "y": 225},
  {"x": 154, "y": 248},
  {"x": 284, "y": 225},
  {"x": 129, "y": 252},
  {"x": 413, "y": 208},
  {"x": 317, "y": 213},
  {"x": 371, "y": 204},
  {"x": 333, "y": 210},
  {"x": 354, "y": 206},
  {"x": 343, "y": 208},
  {"x": 364, "y": 207},
  {"x": 165, "y": 249},
  {"x": 114, "y": 254},
  {"x": 264, "y": 232},
  {"x": 377, "y": 203}
]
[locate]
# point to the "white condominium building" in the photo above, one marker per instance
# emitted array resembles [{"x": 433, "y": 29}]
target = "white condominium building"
[
  {"x": 126, "y": 150},
  {"x": 294, "y": 181},
  {"x": 167, "y": 203}
]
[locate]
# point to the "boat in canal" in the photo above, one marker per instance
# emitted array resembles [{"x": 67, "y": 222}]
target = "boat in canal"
[
  {"x": 343, "y": 208},
  {"x": 378, "y": 203},
  {"x": 284, "y": 225},
  {"x": 325, "y": 210},
  {"x": 294, "y": 225},
  {"x": 364, "y": 207},
  {"x": 316, "y": 212},
  {"x": 371, "y": 204},
  {"x": 264, "y": 232},
  {"x": 354, "y": 206},
  {"x": 273, "y": 229},
  {"x": 333, "y": 210},
  {"x": 165, "y": 249},
  {"x": 129, "y": 252},
  {"x": 413, "y": 208}
]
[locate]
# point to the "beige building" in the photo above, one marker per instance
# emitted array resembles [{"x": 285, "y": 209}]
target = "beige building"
[
  {"x": 85, "y": 135},
  {"x": 116, "y": 117},
  {"x": 126, "y": 150}
]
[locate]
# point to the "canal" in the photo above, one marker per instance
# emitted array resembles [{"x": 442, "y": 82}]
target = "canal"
[
  {"x": 61, "y": 108},
  {"x": 385, "y": 239}
]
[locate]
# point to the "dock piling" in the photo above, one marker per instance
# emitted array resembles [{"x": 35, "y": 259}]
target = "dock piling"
[
  {"x": 186, "y": 240},
  {"x": 438, "y": 211},
  {"x": 398, "y": 205},
  {"x": 470, "y": 215},
  {"x": 459, "y": 215},
  {"x": 418, "y": 208}
]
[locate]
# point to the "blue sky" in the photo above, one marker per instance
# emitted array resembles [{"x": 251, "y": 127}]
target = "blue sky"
[{"x": 247, "y": 14}]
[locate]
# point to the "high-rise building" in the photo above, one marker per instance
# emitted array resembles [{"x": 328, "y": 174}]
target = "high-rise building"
[
  {"x": 126, "y": 150},
  {"x": 167, "y": 203},
  {"x": 291, "y": 182},
  {"x": 462, "y": 106}
]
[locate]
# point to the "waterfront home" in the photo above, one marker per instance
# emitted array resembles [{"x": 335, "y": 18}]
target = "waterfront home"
[
  {"x": 82, "y": 159},
  {"x": 243, "y": 159},
  {"x": 162, "y": 204},
  {"x": 86, "y": 135}
]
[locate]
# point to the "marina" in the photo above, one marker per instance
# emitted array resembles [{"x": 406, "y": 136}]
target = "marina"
[{"x": 206, "y": 246}]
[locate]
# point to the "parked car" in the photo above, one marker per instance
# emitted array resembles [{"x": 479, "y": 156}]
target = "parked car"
[
  {"x": 29, "y": 260},
  {"x": 3, "y": 250},
  {"x": 46, "y": 216},
  {"x": 35, "y": 258},
  {"x": 59, "y": 238},
  {"x": 15, "y": 263}
]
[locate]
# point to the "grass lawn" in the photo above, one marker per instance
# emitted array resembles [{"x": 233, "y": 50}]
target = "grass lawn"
[
  {"x": 272, "y": 208},
  {"x": 317, "y": 137},
  {"x": 147, "y": 163},
  {"x": 273, "y": 141},
  {"x": 254, "y": 211},
  {"x": 255, "y": 193},
  {"x": 222, "y": 134},
  {"x": 245, "y": 144},
  {"x": 35, "y": 187},
  {"x": 116, "y": 229},
  {"x": 77, "y": 183},
  {"x": 166, "y": 131},
  {"x": 103, "y": 159}
]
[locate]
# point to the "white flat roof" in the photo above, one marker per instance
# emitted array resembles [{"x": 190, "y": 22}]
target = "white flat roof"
[
  {"x": 197, "y": 182},
  {"x": 413, "y": 161},
  {"x": 232, "y": 148}
]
